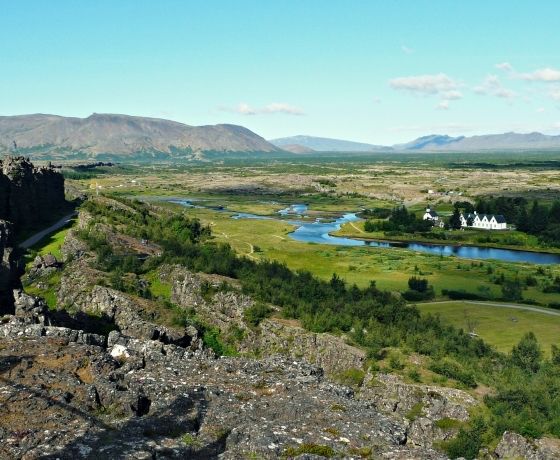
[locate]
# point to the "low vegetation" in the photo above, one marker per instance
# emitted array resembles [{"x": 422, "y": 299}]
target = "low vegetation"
[{"x": 525, "y": 382}]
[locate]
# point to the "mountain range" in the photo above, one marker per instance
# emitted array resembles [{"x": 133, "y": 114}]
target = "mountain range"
[
  {"x": 324, "y": 144},
  {"x": 430, "y": 143},
  {"x": 122, "y": 136},
  {"x": 131, "y": 137}
]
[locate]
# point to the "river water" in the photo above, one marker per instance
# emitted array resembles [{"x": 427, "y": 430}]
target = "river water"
[{"x": 318, "y": 231}]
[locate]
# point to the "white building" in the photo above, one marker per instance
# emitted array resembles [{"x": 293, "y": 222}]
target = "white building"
[
  {"x": 433, "y": 216},
  {"x": 484, "y": 221}
]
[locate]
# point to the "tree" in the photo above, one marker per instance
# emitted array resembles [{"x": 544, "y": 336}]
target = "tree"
[
  {"x": 527, "y": 354},
  {"x": 555, "y": 352},
  {"x": 522, "y": 223},
  {"x": 512, "y": 290},
  {"x": 455, "y": 220},
  {"x": 418, "y": 284},
  {"x": 554, "y": 213},
  {"x": 538, "y": 218}
]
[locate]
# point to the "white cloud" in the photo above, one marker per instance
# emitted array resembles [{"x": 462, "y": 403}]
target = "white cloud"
[
  {"x": 545, "y": 75},
  {"x": 555, "y": 94},
  {"x": 245, "y": 109},
  {"x": 504, "y": 93},
  {"x": 556, "y": 125},
  {"x": 505, "y": 66},
  {"x": 443, "y": 105},
  {"x": 452, "y": 95},
  {"x": 277, "y": 107},
  {"x": 541, "y": 110},
  {"x": 376, "y": 100},
  {"x": 492, "y": 86},
  {"x": 270, "y": 109},
  {"x": 425, "y": 84},
  {"x": 406, "y": 49}
]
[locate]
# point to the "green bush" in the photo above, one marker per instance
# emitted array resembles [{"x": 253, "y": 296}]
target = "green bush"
[
  {"x": 453, "y": 370},
  {"x": 468, "y": 441},
  {"x": 256, "y": 313},
  {"x": 351, "y": 377}
]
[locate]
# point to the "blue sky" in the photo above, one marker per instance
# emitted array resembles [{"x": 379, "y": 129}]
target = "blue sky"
[{"x": 373, "y": 71}]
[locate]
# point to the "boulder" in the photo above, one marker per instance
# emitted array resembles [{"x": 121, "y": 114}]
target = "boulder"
[{"x": 515, "y": 446}]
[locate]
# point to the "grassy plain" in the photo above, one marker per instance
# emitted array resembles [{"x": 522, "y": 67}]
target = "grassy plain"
[
  {"x": 51, "y": 244},
  {"x": 500, "y": 327},
  {"x": 332, "y": 185}
]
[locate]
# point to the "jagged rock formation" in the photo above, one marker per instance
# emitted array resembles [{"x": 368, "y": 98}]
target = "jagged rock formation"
[
  {"x": 107, "y": 375},
  {"x": 8, "y": 267},
  {"x": 29, "y": 195},
  {"x": 73, "y": 396},
  {"x": 69, "y": 394},
  {"x": 225, "y": 311}
]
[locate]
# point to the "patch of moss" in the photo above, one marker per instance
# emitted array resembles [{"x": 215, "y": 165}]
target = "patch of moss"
[
  {"x": 352, "y": 377},
  {"x": 415, "y": 411},
  {"x": 448, "y": 423},
  {"x": 315, "y": 449}
]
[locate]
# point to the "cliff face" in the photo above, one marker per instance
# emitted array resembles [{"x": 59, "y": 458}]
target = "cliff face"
[
  {"x": 28, "y": 195},
  {"x": 8, "y": 266}
]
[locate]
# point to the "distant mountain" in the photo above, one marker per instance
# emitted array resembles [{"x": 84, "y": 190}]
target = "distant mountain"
[
  {"x": 431, "y": 143},
  {"x": 296, "y": 148},
  {"x": 433, "y": 140},
  {"x": 324, "y": 144},
  {"x": 507, "y": 141},
  {"x": 121, "y": 136}
]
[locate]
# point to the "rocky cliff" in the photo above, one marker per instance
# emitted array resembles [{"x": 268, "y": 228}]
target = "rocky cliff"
[
  {"x": 29, "y": 195},
  {"x": 8, "y": 267},
  {"x": 71, "y": 394}
]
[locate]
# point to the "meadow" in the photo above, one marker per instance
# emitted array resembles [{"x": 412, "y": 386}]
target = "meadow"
[
  {"x": 499, "y": 326},
  {"x": 331, "y": 185}
]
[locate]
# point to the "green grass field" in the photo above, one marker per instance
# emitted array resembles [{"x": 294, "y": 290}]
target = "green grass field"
[
  {"x": 390, "y": 268},
  {"x": 500, "y": 327},
  {"x": 51, "y": 244}
]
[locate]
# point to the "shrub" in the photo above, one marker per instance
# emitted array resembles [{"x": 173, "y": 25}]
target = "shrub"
[
  {"x": 468, "y": 441},
  {"x": 352, "y": 377},
  {"x": 414, "y": 375},
  {"x": 527, "y": 354},
  {"x": 415, "y": 411},
  {"x": 453, "y": 370},
  {"x": 463, "y": 295},
  {"x": 256, "y": 313}
]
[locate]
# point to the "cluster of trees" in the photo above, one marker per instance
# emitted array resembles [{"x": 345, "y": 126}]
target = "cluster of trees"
[
  {"x": 526, "y": 385},
  {"x": 418, "y": 289},
  {"x": 534, "y": 218},
  {"x": 400, "y": 220}
]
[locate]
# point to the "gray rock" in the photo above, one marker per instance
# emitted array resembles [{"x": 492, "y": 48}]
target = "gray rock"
[{"x": 515, "y": 446}]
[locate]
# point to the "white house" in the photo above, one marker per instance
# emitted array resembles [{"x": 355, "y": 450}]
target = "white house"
[
  {"x": 484, "y": 221},
  {"x": 432, "y": 216}
]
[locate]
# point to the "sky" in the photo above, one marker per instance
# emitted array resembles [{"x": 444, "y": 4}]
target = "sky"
[{"x": 381, "y": 72}]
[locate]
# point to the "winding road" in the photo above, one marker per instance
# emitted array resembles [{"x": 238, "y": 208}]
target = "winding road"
[
  {"x": 546, "y": 311},
  {"x": 29, "y": 242}
]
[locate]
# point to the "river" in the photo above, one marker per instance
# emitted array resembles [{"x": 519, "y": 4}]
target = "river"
[{"x": 319, "y": 231}]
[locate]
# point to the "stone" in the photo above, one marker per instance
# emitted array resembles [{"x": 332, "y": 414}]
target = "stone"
[{"x": 513, "y": 445}]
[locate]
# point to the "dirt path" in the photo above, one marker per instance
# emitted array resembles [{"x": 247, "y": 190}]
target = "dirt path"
[
  {"x": 514, "y": 306},
  {"x": 40, "y": 235},
  {"x": 359, "y": 229}
]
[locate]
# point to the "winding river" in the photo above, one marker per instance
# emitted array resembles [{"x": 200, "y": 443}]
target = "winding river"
[{"x": 319, "y": 231}]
